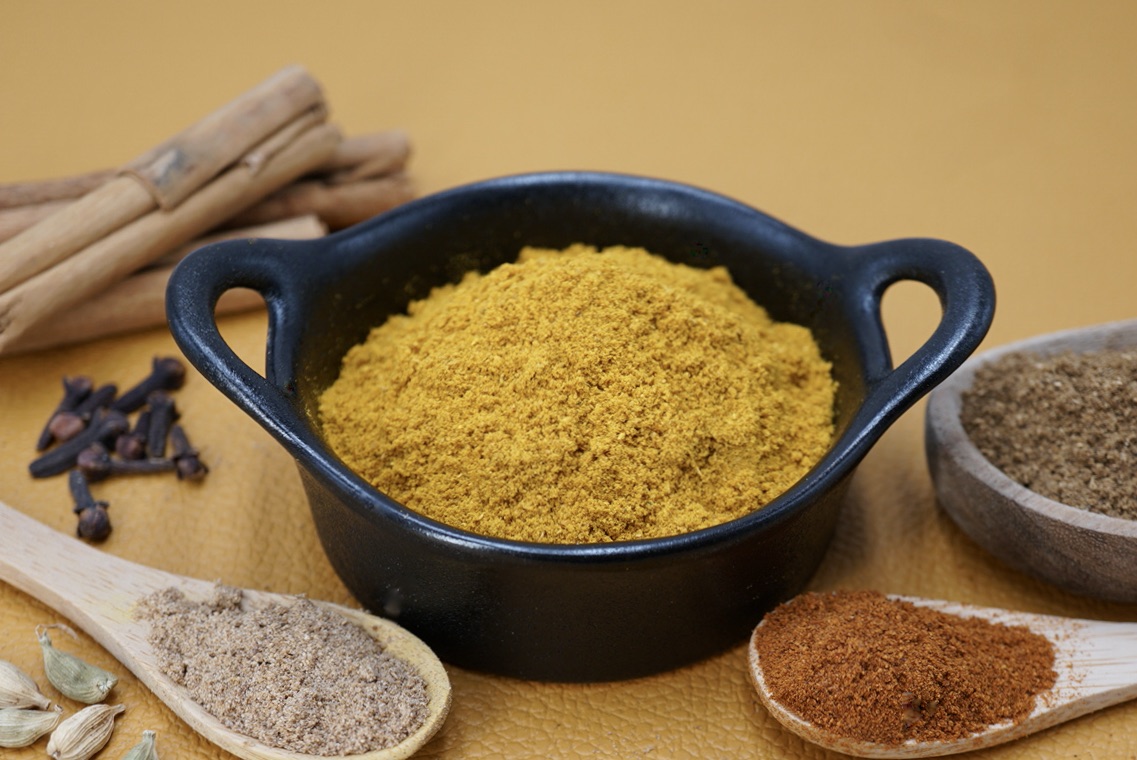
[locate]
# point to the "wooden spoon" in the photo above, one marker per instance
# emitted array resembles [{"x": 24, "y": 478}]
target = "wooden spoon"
[
  {"x": 1096, "y": 663},
  {"x": 97, "y": 592}
]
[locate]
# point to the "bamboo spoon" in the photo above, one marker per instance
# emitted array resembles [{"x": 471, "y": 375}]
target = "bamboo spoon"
[
  {"x": 97, "y": 592},
  {"x": 1096, "y": 663}
]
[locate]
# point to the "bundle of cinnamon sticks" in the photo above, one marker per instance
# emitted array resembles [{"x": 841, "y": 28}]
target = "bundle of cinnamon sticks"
[{"x": 88, "y": 256}]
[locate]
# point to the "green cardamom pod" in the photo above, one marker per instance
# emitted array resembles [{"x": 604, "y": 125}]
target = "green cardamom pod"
[
  {"x": 144, "y": 750},
  {"x": 17, "y": 689},
  {"x": 73, "y": 677},
  {"x": 20, "y": 727},
  {"x": 82, "y": 735}
]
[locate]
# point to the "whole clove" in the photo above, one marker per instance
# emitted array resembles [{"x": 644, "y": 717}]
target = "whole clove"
[
  {"x": 163, "y": 414},
  {"x": 96, "y": 463},
  {"x": 75, "y": 389},
  {"x": 81, "y": 493},
  {"x": 94, "y": 523},
  {"x": 132, "y": 445},
  {"x": 90, "y": 435},
  {"x": 188, "y": 463},
  {"x": 166, "y": 374},
  {"x": 68, "y": 424},
  {"x": 104, "y": 428}
]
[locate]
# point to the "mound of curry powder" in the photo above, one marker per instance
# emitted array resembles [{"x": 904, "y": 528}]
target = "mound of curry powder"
[{"x": 583, "y": 396}]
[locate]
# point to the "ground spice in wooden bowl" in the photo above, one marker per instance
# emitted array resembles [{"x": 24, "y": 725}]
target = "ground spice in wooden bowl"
[
  {"x": 1064, "y": 426},
  {"x": 296, "y": 677},
  {"x": 866, "y": 666},
  {"x": 583, "y": 396}
]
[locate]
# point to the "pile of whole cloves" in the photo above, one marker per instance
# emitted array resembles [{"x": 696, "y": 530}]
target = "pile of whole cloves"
[{"x": 90, "y": 436}]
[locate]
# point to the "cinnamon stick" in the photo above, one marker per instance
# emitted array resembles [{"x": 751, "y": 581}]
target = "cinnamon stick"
[
  {"x": 361, "y": 157},
  {"x": 16, "y": 219},
  {"x": 116, "y": 255},
  {"x": 299, "y": 227},
  {"x": 139, "y": 301},
  {"x": 46, "y": 190},
  {"x": 164, "y": 176},
  {"x": 54, "y": 238},
  {"x": 338, "y": 206},
  {"x": 368, "y": 156},
  {"x": 173, "y": 170}
]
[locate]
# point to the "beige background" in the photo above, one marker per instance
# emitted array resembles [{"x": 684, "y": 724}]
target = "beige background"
[{"x": 1007, "y": 127}]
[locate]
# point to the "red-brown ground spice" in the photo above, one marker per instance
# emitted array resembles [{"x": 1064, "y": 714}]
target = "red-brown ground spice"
[{"x": 875, "y": 669}]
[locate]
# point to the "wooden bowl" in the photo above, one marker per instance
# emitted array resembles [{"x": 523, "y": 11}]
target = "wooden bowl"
[{"x": 1080, "y": 551}]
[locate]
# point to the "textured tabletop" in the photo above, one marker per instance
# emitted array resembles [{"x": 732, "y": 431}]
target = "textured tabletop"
[{"x": 1005, "y": 127}]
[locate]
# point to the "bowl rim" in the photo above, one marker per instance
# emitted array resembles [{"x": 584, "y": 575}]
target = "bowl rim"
[{"x": 944, "y": 418}]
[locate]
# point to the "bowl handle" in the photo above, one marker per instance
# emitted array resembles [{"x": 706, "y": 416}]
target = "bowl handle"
[
  {"x": 967, "y": 297},
  {"x": 272, "y": 269}
]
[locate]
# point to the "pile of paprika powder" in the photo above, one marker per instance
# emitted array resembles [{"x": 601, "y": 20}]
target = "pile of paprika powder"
[{"x": 866, "y": 666}]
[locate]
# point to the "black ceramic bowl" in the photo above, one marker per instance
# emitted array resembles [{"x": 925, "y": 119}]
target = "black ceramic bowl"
[{"x": 570, "y": 612}]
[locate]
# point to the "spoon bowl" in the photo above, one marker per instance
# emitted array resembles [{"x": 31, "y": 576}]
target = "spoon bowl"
[
  {"x": 98, "y": 592},
  {"x": 1095, "y": 661}
]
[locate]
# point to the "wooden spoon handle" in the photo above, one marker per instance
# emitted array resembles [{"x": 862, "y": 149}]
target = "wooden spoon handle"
[
  {"x": 93, "y": 589},
  {"x": 98, "y": 591}
]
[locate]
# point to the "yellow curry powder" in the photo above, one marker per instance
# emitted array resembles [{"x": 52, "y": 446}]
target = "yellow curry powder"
[{"x": 583, "y": 396}]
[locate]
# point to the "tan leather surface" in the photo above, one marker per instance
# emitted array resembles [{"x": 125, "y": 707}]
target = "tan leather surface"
[{"x": 1006, "y": 127}]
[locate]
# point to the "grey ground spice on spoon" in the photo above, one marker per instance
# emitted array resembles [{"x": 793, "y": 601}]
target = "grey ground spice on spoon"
[
  {"x": 1064, "y": 426},
  {"x": 862, "y": 665},
  {"x": 295, "y": 676}
]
